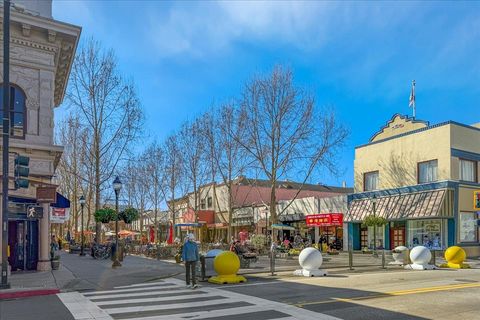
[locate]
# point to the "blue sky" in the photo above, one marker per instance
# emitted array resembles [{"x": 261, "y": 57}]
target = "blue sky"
[{"x": 359, "y": 57}]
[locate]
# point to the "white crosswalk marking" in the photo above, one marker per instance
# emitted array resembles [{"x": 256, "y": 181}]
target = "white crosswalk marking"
[{"x": 168, "y": 299}]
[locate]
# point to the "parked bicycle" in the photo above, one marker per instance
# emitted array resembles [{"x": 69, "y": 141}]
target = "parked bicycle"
[{"x": 101, "y": 251}]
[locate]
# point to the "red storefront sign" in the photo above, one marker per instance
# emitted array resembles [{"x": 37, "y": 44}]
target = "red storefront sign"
[{"x": 325, "y": 220}]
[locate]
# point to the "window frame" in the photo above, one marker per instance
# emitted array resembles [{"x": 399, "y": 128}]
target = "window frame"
[
  {"x": 209, "y": 202},
  {"x": 12, "y": 111},
  {"x": 418, "y": 171},
  {"x": 203, "y": 204},
  {"x": 365, "y": 180},
  {"x": 475, "y": 167}
]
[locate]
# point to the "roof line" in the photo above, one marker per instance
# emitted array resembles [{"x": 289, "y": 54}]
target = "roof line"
[{"x": 450, "y": 122}]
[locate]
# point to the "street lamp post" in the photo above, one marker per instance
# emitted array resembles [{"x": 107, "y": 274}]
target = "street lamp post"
[
  {"x": 82, "y": 204},
  {"x": 374, "y": 202},
  {"x": 117, "y": 186}
]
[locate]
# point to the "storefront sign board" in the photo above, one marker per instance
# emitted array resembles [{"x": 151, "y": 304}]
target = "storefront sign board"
[
  {"x": 46, "y": 194},
  {"x": 59, "y": 215},
  {"x": 325, "y": 220}
]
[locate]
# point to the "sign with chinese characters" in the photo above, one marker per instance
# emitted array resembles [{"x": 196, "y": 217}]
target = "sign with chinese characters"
[
  {"x": 325, "y": 220},
  {"x": 59, "y": 215},
  {"x": 34, "y": 212}
]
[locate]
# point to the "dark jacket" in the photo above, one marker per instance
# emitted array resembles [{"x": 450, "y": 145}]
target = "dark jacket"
[{"x": 190, "y": 251}]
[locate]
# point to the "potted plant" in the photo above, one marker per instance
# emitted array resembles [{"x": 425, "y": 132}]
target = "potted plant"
[
  {"x": 55, "y": 262},
  {"x": 104, "y": 215},
  {"x": 129, "y": 215}
]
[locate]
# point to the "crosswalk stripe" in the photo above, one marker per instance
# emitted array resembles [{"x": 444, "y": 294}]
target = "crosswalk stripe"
[
  {"x": 170, "y": 306},
  {"x": 132, "y": 290},
  {"x": 148, "y": 293},
  {"x": 197, "y": 315},
  {"x": 165, "y": 298},
  {"x": 146, "y": 284}
]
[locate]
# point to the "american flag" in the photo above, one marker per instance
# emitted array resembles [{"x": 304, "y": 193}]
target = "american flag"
[{"x": 411, "y": 102}]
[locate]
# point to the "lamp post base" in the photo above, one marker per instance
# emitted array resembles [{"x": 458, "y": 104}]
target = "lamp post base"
[{"x": 116, "y": 264}]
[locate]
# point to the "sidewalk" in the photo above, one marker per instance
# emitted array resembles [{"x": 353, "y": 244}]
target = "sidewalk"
[
  {"x": 336, "y": 263},
  {"x": 85, "y": 273}
]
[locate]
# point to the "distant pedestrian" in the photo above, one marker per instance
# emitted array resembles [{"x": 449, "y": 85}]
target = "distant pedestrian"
[{"x": 190, "y": 256}]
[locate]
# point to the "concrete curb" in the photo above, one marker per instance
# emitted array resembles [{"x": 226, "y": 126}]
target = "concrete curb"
[{"x": 15, "y": 294}]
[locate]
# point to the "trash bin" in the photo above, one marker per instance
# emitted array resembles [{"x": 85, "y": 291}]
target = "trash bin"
[
  {"x": 120, "y": 252},
  {"x": 114, "y": 249},
  {"x": 209, "y": 257}
]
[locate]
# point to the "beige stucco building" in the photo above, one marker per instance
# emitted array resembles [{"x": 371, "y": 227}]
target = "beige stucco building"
[
  {"x": 423, "y": 179},
  {"x": 42, "y": 50}
]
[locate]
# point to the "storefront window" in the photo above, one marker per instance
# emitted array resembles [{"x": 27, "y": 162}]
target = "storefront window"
[
  {"x": 468, "y": 227},
  {"x": 428, "y": 233},
  {"x": 380, "y": 237}
]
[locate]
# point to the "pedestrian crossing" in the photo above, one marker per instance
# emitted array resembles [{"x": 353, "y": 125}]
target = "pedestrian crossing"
[{"x": 170, "y": 299}]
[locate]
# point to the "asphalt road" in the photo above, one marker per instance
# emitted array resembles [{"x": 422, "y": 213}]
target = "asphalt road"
[{"x": 436, "y": 294}]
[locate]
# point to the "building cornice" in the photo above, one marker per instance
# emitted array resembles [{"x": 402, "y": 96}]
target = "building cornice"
[{"x": 63, "y": 37}]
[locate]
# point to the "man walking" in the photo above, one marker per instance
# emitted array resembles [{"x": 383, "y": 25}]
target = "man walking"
[{"x": 190, "y": 257}]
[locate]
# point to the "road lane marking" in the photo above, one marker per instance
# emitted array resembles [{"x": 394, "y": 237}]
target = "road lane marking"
[{"x": 393, "y": 294}]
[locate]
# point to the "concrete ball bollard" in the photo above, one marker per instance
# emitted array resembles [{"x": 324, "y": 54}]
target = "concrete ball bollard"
[
  {"x": 227, "y": 264},
  {"x": 310, "y": 259},
  {"x": 455, "y": 257},
  {"x": 420, "y": 255}
]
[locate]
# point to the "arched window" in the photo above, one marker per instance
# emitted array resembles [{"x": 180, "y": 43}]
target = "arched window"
[{"x": 17, "y": 111}]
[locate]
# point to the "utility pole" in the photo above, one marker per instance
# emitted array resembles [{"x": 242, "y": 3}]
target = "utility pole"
[{"x": 6, "y": 129}]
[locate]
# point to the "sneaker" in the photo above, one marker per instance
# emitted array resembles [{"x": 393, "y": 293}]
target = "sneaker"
[
  {"x": 188, "y": 286},
  {"x": 195, "y": 286}
]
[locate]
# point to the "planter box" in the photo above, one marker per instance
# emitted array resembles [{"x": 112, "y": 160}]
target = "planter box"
[{"x": 55, "y": 264}]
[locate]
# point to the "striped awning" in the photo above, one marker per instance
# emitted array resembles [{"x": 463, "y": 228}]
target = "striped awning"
[{"x": 401, "y": 206}]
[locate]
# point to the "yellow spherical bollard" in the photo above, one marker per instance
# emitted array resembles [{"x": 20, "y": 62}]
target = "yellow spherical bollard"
[
  {"x": 455, "y": 257},
  {"x": 226, "y": 264},
  {"x": 455, "y": 254}
]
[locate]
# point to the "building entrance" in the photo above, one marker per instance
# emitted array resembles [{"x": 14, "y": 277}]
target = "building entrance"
[
  {"x": 23, "y": 244},
  {"x": 397, "y": 236}
]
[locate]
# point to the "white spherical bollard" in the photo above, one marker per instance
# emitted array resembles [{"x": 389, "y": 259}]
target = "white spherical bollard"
[
  {"x": 310, "y": 259},
  {"x": 420, "y": 255}
]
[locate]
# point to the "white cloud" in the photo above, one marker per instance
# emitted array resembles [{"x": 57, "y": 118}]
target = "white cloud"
[{"x": 203, "y": 29}]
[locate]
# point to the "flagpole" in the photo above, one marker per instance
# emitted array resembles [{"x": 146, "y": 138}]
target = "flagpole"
[{"x": 414, "y": 102}]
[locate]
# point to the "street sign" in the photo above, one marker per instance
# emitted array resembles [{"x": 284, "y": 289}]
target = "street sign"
[
  {"x": 325, "y": 220},
  {"x": 34, "y": 212}
]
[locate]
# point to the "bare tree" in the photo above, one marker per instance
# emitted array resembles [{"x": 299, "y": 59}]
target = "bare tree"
[
  {"x": 285, "y": 133},
  {"x": 195, "y": 160},
  {"x": 108, "y": 108},
  {"x": 223, "y": 131},
  {"x": 173, "y": 174},
  {"x": 155, "y": 176}
]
